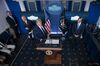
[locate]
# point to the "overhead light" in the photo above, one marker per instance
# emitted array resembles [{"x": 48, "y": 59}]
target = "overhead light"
[
  {"x": 32, "y": 17},
  {"x": 74, "y": 18}
]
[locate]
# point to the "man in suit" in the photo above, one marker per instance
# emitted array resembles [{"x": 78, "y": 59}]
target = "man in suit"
[
  {"x": 29, "y": 25},
  {"x": 39, "y": 31},
  {"x": 78, "y": 28},
  {"x": 13, "y": 24}
]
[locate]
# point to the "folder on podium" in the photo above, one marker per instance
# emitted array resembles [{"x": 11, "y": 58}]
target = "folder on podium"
[{"x": 52, "y": 41}]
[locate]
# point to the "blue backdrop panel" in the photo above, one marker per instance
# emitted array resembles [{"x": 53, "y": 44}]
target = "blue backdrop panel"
[
  {"x": 54, "y": 15},
  {"x": 32, "y": 6},
  {"x": 76, "y": 6},
  {"x": 15, "y": 9},
  {"x": 26, "y": 5},
  {"x": 69, "y": 5},
  {"x": 83, "y": 5},
  {"x": 94, "y": 13},
  {"x": 55, "y": 22},
  {"x": 38, "y": 3}
]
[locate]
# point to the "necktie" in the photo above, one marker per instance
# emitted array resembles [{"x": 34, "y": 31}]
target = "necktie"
[{"x": 42, "y": 29}]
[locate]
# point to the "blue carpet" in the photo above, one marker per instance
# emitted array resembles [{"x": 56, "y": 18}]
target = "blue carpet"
[{"x": 74, "y": 53}]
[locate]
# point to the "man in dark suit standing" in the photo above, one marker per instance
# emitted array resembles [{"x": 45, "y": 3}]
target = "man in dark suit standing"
[
  {"x": 29, "y": 25},
  {"x": 39, "y": 31},
  {"x": 78, "y": 28},
  {"x": 77, "y": 32},
  {"x": 13, "y": 24}
]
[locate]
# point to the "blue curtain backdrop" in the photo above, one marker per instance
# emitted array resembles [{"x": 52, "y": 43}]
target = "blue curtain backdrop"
[
  {"x": 15, "y": 9},
  {"x": 94, "y": 13}
]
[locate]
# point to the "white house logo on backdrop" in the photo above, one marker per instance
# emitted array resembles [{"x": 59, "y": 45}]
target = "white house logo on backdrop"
[{"x": 54, "y": 8}]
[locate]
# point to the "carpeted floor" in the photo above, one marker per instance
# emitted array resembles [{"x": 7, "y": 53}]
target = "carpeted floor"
[{"x": 74, "y": 53}]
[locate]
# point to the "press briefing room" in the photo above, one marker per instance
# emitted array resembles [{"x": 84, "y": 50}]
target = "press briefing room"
[{"x": 49, "y": 32}]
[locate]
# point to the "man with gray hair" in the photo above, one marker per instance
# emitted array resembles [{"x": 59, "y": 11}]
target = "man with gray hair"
[{"x": 39, "y": 31}]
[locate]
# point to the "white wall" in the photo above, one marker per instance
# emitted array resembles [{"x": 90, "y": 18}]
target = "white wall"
[
  {"x": 88, "y": 4},
  {"x": 3, "y": 8}
]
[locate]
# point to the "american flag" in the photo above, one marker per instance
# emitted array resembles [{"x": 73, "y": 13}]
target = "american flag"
[{"x": 47, "y": 23}]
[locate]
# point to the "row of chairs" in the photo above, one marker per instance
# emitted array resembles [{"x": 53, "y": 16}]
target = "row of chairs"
[{"x": 7, "y": 46}]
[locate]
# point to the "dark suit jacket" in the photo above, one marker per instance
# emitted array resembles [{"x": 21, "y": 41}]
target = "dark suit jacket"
[
  {"x": 29, "y": 25},
  {"x": 38, "y": 34},
  {"x": 63, "y": 28},
  {"x": 78, "y": 31},
  {"x": 11, "y": 22}
]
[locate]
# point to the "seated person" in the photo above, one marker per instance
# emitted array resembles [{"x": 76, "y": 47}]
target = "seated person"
[
  {"x": 29, "y": 25},
  {"x": 78, "y": 28},
  {"x": 39, "y": 31},
  {"x": 63, "y": 26}
]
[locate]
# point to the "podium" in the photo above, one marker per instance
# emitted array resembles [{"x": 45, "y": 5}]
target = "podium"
[
  {"x": 51, "y": 47},
  {"x": 53, "y": 59}
]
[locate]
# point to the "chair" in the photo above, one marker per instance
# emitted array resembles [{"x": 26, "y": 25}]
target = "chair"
[
  {"x": 7, "y": 48},
  {"x": 2, "y": 58}
]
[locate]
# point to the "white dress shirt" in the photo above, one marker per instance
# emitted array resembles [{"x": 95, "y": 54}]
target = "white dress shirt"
[
  {"x": 42, "y": 29},
  {"x": 78, "y": 25}
]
